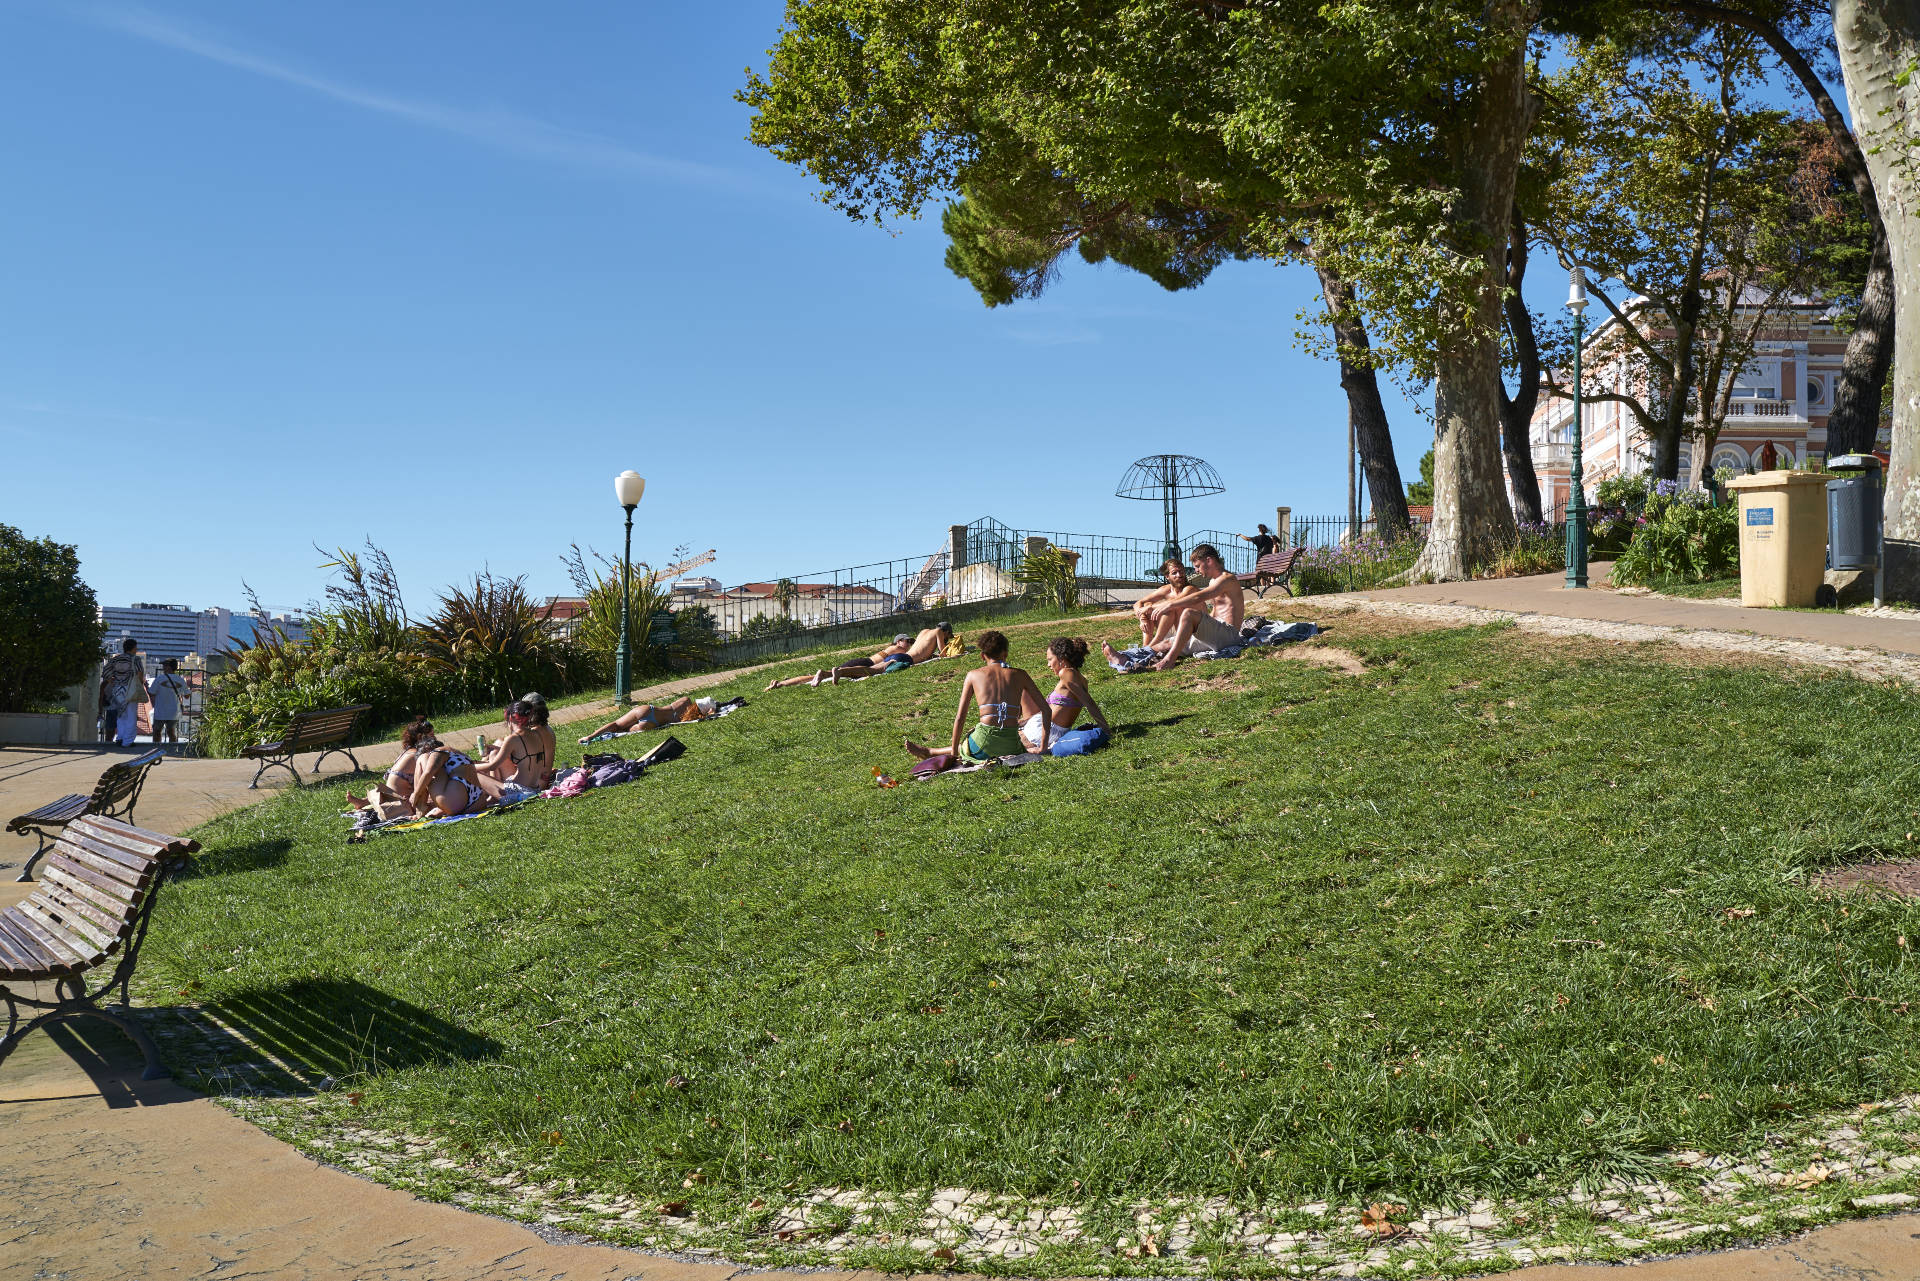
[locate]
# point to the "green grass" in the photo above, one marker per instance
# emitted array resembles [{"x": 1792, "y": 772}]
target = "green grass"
[
  {"x": 1466, "y": 921},
  {"x": 1712, "y": 589}
]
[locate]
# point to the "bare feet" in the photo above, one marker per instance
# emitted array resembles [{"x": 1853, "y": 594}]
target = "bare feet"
[
  {"x": 358, "y": 802},
  {"x": 916, "y": 751},
  {"x": 1113, "y": 656},
  {"x": 1167, "y": 662},
  {"x": 773, "y": 685}
]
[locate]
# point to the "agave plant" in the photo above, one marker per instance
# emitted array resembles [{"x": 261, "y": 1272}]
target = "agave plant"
[
  {"x": 497, "y": 639},
  {"x": 650, "y": 626}
]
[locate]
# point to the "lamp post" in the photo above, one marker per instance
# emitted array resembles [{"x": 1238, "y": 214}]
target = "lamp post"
[
  {"x": 627, "y": 489},
  {"x": 1577, "y": 491}
]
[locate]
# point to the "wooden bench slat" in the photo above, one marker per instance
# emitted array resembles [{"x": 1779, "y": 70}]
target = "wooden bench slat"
[
  {"x": 106, "y": 868},
  {"x": 85, "y": 937},
  {"x": 13, "y": 958},
  {"x": 58, "y": 960},
  {"x": 72, "y": 899},
  {"x": 60, "y": 811},
  {"x": 104, "y": 887},
  {"x": 34, "y": 918},
  {"x": 108, "y": 855},
  {"x": 118, "y": 832},
  {"x": 111, "y": 895}
]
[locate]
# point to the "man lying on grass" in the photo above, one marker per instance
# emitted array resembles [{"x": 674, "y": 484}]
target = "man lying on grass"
[
  {"x": 902, "y": 653},
  {"x": 1196, "y": 619}
]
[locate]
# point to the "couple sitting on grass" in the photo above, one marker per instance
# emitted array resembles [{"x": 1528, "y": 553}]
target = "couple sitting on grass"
[
  {"x": 431, "y": 780},
  {"x": 903, "y": 652},
  {"x": 1181, "y": 618},
  {"x": 1014, "y": 718}
]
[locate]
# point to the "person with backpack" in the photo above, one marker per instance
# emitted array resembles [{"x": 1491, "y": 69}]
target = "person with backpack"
[{"x": 123, "y": 687}]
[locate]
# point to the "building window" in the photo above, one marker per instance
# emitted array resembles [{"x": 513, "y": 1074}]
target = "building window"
[
  {"x": 1730, "y": 456},
  {"x": 1757, "y": 382},
  {"x": 1816, "y": 391}
]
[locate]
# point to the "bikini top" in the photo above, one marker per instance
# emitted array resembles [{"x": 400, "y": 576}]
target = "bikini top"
[
  {"x": 1060, "y": 698},
  {"x": 540, "y": 755}
]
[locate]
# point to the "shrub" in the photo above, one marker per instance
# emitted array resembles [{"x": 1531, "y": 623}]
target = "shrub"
[
  {"x": 1355, "y": 565},
  {"x": 768, "y": 626},
  {"x": 50, "y": 628},
  {"x": 1622, "y": 493},
  {"x": 1051, "y": 575},
  {"x": 273, "y": 680},
  {"x": 1679, "y": 536},
  {"x": 596, "y": 629},
  {"x": 494, "y": 643}
]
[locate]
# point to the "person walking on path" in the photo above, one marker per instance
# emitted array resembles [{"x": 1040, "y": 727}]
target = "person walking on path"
[
  {"x": 165, "y": 691},
  {"x": 123, "y": 687}
]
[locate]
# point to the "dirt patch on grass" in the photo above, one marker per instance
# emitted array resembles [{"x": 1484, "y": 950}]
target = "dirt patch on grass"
[
  {"x": 1577, "y": 648},
  {"x": 1896, "y": 876},
  {"x": 1331, "y": 657},
  {"x": 1227, "y": 682}
]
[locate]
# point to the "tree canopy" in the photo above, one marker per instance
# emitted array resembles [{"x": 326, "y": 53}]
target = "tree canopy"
[{"x": 50, "y": 628}]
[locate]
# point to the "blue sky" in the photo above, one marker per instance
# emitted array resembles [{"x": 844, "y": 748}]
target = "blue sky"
[{"x": 432, "y": 273}]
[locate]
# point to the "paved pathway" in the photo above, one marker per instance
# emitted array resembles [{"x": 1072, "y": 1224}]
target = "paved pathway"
[{"x": 104, "y": 1175}]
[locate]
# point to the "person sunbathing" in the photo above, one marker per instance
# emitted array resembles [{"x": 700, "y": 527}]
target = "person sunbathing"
[
  {"x": 1064, "y": 658},
  {"x": 445, "y": 784},
  {"x": 524, "y": 758},
  {"x": 931, "y": 642},
  {"x": 647, "y": 716},
  {"x": 1176, "y": 575},
  {"x": 391, "y": 797},
  {"x": 895, "y": 655},
  {"x": 1007, "y": 695}
]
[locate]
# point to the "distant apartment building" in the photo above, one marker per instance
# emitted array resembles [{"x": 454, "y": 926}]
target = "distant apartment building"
[
  {"x": 810, "y": 605},
  {"x": 167, "y": 631},
  {"x": 1782, "y": 397}
]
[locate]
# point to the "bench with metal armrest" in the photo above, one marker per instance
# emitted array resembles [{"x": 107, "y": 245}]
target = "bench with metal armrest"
[
  {"x": 330, "y": 728},
  {"x": 114, "y": 796}
]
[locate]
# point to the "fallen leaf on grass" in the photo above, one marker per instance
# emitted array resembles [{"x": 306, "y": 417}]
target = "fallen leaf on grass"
[
  {"x": 845, "y": 1127},
  {"x": 1815, "y": 1173},
  {"x": 554, "y": 1137},
  {"x": 943, "y": 1253},
  {"x": 355, "y": 1097},
  {"x": 1148, "y": 1246},
  {"x": 674, "y": 1209},
  {"x": 1378, "y": 1218},
  {"x": 694, "y": 1179},
  {"x": 677, "y": 1082},
  {"x": 1738, "y": 913},
  {"x": 756, "y": 1203},
  {"x": 933, "y": 1009}
]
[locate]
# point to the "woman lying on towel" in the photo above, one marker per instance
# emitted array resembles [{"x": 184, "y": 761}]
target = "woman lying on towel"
[
  {"x": 651, "y": 716},
  {"x": 1064, "y": 658},
  {"x": 522, "y": 762},
  {"x": 1007, "y": 695}
]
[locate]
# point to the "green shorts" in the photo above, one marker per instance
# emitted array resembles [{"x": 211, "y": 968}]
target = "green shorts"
[{"x": 989, "y": 741}]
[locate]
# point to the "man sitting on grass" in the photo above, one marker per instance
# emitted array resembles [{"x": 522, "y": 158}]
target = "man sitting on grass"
[{"x": 1196, "y": 619}]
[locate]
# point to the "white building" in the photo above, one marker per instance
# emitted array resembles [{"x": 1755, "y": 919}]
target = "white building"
[{"x": 167, "y": 631}]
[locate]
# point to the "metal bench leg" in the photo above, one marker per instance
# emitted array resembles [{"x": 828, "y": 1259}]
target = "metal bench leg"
[
  {"x": 339, "y": 751},
  {"x": 26, "y": 869},
  {"x": 266, "y": 765}
]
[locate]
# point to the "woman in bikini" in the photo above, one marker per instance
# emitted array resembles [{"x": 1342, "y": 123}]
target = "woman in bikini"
[
  {"x": 445, "y": 783},
  {"x": 391, "y": 796},
  {"x": 648, "y": 716},
  {"x": 1007, "y": 695},
  {"x": 523, "y": 759},
  {"x": 1064, "y": 658}
]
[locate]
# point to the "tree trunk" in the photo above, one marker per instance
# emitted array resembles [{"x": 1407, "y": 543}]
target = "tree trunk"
[
  {"x": 1663, "y": 443},
  {"x": 1516, "y": 411},
  {"x": 1879, "y": 47},
  {"x": 1366, "y": 411},
  {"x": 1472, "y": 521},
  {"x": 1855, "y": 420}
]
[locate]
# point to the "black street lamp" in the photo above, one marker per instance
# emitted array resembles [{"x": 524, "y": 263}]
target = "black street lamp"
[
  {"x": 1577, "y": 497},
  {"x": 627, "y": 488}
]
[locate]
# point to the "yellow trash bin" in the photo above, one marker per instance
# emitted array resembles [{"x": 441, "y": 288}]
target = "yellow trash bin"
[{"x": 1783, "y": 537}]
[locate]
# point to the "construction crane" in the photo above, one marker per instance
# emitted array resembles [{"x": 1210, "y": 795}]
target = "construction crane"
[{"x": 673, "y": 573}]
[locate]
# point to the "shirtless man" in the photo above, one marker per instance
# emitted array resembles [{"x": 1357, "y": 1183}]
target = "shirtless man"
[
  {"x": 1202, "y": 618},
  {"x": 913, "y": 649},
  {"x": 1176, "y": 575}
]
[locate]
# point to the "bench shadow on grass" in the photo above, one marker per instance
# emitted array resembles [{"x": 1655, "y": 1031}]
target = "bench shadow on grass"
[
  {"x": 1139, "y": 728},
  {"x": 253, "y": 856},
  {"x": 299, "y": 1037}
]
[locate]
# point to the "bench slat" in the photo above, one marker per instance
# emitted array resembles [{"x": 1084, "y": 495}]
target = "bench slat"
[
  {"x": 138, "y": 840},
  {"x": 33, "y": 918},
  {"x": 73, "y": 931},
  {"x": 102, "y": 865},
  {"x": 60, "y": 811},
  {"x": 14, "y": 958},
  {"x": 105, "y": 887},
  {"x": 71, "y": 899},
  {"x": 112, "y": 896},
  {"x": 56, "y": 959}
]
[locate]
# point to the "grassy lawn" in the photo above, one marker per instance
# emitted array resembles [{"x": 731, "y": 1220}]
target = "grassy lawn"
[
  {"x": 1712, "y": 589},
  {"x": 1496, "y": 909}
]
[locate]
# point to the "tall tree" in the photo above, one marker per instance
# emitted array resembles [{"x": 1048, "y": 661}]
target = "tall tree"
[
  {"x": 1516, "y": 408},
  {"x": 1683, "y": 196},
  {"x": 1385, "y": 133},
  {"x": 1880, "y": 53}
]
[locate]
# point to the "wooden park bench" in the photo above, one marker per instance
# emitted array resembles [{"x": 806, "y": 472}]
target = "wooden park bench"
[
  {"x": 92, "y": 905},
  {"x": 1275, "y": 569},
  {"x": 307, "y": 730},
  {"x": 114, "y": 796}
]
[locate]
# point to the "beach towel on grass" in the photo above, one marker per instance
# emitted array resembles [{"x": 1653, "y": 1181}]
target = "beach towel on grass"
[{"x": 1254, "y": 631}]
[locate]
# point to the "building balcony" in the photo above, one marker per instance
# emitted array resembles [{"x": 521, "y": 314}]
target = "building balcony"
[
  {"x": 1761, "y": 409},
  {"x": 1552, "y": 455}
]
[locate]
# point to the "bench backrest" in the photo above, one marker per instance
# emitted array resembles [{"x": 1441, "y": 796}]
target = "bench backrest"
[
  {"x": 1278, "y": 562},
  {"x": 93, "y": 888},
  {"x": 121, "y": 783},
  {"x": 315, "y": 729}
]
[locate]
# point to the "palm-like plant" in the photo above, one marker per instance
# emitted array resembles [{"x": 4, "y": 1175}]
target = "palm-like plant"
[
  {"x": 496, "y": 637},
  {"x": 596, "y": 629},
  {"x": 785, "y": 592}
]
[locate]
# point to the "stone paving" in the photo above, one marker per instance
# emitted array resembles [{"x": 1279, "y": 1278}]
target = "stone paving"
[{"x": 110, "y": 1176}]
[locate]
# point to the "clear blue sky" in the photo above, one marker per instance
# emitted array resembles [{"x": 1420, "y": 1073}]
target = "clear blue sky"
[{"x": 433, "y": 272}]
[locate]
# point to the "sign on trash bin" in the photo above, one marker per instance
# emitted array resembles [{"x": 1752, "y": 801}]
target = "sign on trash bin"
[{"x": 1760, "y": 516}]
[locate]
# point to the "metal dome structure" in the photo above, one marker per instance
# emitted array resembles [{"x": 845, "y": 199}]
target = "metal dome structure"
[{"x": 1167, "y": 478}]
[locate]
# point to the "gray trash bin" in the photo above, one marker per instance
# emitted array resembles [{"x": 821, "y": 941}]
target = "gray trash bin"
[{"x": 1853, "y": 512}]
